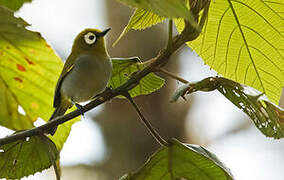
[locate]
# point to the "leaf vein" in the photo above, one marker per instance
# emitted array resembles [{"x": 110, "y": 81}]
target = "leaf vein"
[
  {"x": 245, "y": 42},
  {"x": 257, "y": 13},
  {"x": 218, "y": 32}
]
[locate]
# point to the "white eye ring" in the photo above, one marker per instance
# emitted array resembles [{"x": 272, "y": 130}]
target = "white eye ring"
[{"x": 90, "y": 38}]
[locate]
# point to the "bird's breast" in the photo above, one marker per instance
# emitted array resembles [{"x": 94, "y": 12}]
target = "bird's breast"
[{"x": 88, "y": 78}]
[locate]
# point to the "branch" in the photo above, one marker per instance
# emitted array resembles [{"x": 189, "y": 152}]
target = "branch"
[
  {"x": 157, "y": 62},
  {"x": 150, "y": 128},
  {"x": 58, "y": 120},
  {"x": 172, "y": 75}
]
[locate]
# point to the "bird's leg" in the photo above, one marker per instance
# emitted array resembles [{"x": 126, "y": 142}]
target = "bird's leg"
[
  {"x": 108, "y": 90},
  {"x": 79, "y": 107}
]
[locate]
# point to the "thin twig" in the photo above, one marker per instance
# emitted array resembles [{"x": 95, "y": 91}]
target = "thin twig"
[
  {"x": 150, "y": 128},
  {"x": 170, "y": 34},
  {"x": 172, "y": 75},
  {"x": 145, "y": 63}
]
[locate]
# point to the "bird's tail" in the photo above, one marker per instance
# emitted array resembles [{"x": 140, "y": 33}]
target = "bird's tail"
[{"x": 59, "y": 111}]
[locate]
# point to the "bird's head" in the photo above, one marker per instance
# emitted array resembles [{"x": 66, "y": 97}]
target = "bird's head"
[{"x": 90, "y": 41}]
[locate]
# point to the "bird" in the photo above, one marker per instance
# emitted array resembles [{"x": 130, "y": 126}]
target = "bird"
[{"x": 85, "y": 73}]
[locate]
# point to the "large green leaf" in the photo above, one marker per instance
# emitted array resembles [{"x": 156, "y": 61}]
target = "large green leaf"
[
  {"x": 26, "y": 157},
  {"x": 267, "y": 117},
  {"x": 182, "y": 161},
  {"x": 243, "y": 41},
  {"x": 164, "y": 8},
  {"x": 141, "y": 19},
  {"x": 123, "y": 69},
  {"x": 13, "y": 4},
  {"x": 29, "y": 69}
]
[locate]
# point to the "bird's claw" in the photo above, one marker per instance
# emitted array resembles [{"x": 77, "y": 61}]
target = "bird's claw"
[
  {"x": 108, "y": 89},
  {"x": 80, "y": 108}
]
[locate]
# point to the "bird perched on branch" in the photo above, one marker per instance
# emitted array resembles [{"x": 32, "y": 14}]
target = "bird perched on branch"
[{"x": 85, "y": 74}]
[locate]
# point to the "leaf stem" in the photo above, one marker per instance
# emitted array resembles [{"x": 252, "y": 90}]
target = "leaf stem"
[
  {"x": 150, "y": 128},
  {"x": 172, "y": 75},
  {"x": 170, "y": 34},
  {"x": 204, "y": 15}
]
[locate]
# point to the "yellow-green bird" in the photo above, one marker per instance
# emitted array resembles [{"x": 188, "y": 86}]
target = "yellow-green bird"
[{"x": 85, "y": 74}]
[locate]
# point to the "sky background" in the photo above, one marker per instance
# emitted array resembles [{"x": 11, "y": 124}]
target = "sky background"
[{"x": 248, "y": 153}]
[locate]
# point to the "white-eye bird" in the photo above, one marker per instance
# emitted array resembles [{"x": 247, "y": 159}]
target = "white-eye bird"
[{"x": 85, "y": 74}]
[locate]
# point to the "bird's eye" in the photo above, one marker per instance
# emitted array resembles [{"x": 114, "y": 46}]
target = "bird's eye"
[{"x": 90, "y": 38}]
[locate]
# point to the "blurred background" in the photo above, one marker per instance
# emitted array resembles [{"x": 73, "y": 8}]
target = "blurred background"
[{"x": 110, "y": 141}]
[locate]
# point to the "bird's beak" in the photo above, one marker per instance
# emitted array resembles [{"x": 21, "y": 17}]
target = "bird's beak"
[{"x": 104, "y": 32}]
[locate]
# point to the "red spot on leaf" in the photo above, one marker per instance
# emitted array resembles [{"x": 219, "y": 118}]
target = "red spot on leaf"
[
  {"x": 29, "y": 61},
  {"x": 32, "y": 51},
  {"x": 48, "y": 46},
  {"x": 18, "y": 79},
  {"x": 21, "y": 68},
  {"x": 34, "y": 105}
]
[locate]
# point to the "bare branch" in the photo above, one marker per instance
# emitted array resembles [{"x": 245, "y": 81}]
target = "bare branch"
[
  {"x": 172, "y": 75},
  {"x": 150, "y": 128}
]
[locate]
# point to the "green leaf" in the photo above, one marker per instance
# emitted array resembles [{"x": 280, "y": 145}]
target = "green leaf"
[
  {"x": 181, "y": 161},
  {"x": 29, "y": 70},
  {"x": 164, "y": 8},
  {"x": 123, "y": 68},
  {"x": 267, "y": 117},
  {"x": 63, "y": 130},
  {"x": 179, "y": 24},
  {"x": 26, "y": 157},
  {"x": 141, "y": 19},
  {"x": 13, "y": 4},
  {"x": 243, "y": 41}
]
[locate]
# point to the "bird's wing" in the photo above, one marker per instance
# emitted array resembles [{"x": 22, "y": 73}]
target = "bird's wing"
[{"x": 68, "y": 66}]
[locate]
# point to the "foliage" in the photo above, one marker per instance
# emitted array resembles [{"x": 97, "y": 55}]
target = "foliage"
[
  {"x": 267, "y": 117},
  {"x": 164, "y": 8},
  {"x": 28, "y": 156},
  {"x": 141, "y": 19},
  {"x": 123, "y": 68},
  {"x": 13, "y": 4},
  {"x": 29, "y": 69},
  {"x": 242, "y": 40},
  {"x": 237, "y": 47},
  {"x": 181, "y": 161}
]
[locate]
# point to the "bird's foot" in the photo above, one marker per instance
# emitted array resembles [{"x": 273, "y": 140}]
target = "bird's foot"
[
  {"x": 80, "y": 108},
  {"x": 108, "y": 90}
]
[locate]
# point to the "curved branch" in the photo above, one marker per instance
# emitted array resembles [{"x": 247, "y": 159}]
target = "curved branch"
[
  {"x": 157, "y": 62},
  {"x": 148, "y": 125}
]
